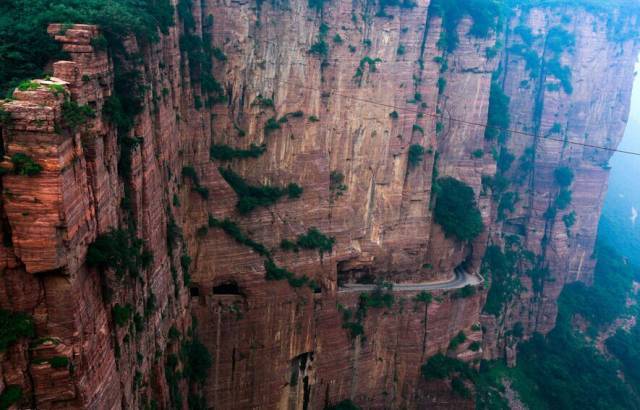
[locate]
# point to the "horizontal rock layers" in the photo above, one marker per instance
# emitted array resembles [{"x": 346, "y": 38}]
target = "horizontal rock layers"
[{"x": 338, "y": 123}]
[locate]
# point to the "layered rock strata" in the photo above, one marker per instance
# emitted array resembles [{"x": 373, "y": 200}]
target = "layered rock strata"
[{"x": 382, "y": 85}]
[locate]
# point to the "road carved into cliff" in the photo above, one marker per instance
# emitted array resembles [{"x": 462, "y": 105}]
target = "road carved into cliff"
[{"x": 460, "y": 280}]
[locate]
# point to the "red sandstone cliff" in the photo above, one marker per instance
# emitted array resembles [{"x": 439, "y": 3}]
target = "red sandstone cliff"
[{"x": 272, "y": 345}]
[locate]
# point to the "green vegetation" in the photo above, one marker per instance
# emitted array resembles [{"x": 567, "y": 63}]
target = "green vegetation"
[
  {"x": 294, "y": 190},
  {"x": 27, "y": 47},
  {"x": 122, "y": 314},
  {"x": 416, "y": 154},
  {"x": 5, "y": 117},
  {"x": 336, "y": 183},
  {"x": 626, "y": 347},
  {"x": 457, "y": 340},
  {"x": 559, "y": 40},
  {"x": 173, "y": 376},
  {"x": 28, "y": 85},
  {"x": 274, "y": 272},
  {"x": 314, "y": 239},
  {"x": 530, "y": 57},
  {"x": 14, "y": 326},
  {"x": 477, "y": 153},
  {"x": 563, "y": 176},
  {"x": 263, "y": 102},
  {"x": 218, "y": 54},
  {"x": 464, "y": 292},
  {"x": 121, "y": 251},
  {"x": 25, "y": 165},
  {"x": 12, "y": 395},
  {"x": 320, "y": 47},
  {"x": 456, "y": 210},
  {"x": 498, "y": 119},
  {"x": 250, "y": 196},
  {"x": 233, "y": 230},
  {"x": 424, "y": 297},
  {"x": 505, "y": 159},
  {"x": 567, "y": 373},
  {"x": 401, "y": 50},
  {"x": 501, "y": 268},
  {"x": 380, "y": 297},
  {"x": 271, "y": 125},
  {"x": 483, "y": 12},
  {"x": 507, "y": 204},
  {"x": 394, "y": 115},
  {"x": 226, "y": 153},
  {"x": 190, "y": 172},
  {"x": 556, "y": 128},
  {"x": 355, "y": 329},
  {"x": 198, "y": 361},
  {"x": 564, "y": 370},
  {"x": 200, "y": 54},
  {"x": 343, "y": 405},
  {"x": 603, "y": 302},
  {"x": 150, "y": 304},
  {"x": 442, "y": 367},
  {"x": 59, "y": 362},
  {"x": 74, "y": 115},
  {"x": 367, "y": 61},
  {"x": 442, "y": 84}
]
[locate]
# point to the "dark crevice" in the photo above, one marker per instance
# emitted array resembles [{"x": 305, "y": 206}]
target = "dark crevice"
[{"x": 227, "y": 288}]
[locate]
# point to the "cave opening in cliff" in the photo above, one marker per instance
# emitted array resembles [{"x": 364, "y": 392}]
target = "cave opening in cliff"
[
  {"x": 227, "y": 288},
  {"x": 350, "y": 274}
]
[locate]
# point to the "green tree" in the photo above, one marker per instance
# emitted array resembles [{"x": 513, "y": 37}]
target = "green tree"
[{"x": 456, "y": 210}]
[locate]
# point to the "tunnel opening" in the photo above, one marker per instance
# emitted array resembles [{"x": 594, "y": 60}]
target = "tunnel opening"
[
  {"x": 347, "y": 273},
  {"x": 227, "y": 288}
]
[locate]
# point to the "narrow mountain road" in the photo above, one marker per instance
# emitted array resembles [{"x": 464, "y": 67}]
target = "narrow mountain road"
[{"x": 460, "y": 280}]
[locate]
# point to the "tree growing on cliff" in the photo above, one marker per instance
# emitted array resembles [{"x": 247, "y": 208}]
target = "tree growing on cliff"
[
  {"x": 25, "y": 165},
  {"x": 498, "y": 119},
  {"x": 563, "y": 176},
  {"x": 416, "y": 153},
  {"x": 456, "y": 210},
  {"x": 13, "y": 326}
]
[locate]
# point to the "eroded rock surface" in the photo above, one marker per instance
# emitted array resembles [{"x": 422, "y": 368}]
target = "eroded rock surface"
[{"x": 274, "y": 345}]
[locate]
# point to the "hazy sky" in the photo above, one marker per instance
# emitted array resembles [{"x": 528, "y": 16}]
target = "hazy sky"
[{"x": 620, "y": 224}]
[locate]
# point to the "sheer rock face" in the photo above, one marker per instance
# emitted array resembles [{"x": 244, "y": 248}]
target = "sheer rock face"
[
  {"x": 594, "y": 113},
  {"x": 52, "y": 217},
  {"x": 272, "y": 345}
]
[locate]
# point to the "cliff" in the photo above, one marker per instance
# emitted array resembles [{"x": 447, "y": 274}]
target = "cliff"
[{"x": 331, "y": 98}]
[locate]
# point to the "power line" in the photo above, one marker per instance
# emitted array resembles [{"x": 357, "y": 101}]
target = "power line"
[{"x": 451, "y": 119}]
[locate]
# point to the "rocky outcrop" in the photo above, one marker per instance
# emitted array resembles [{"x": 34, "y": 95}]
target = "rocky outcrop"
[{"x": 337, "y": 95}]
